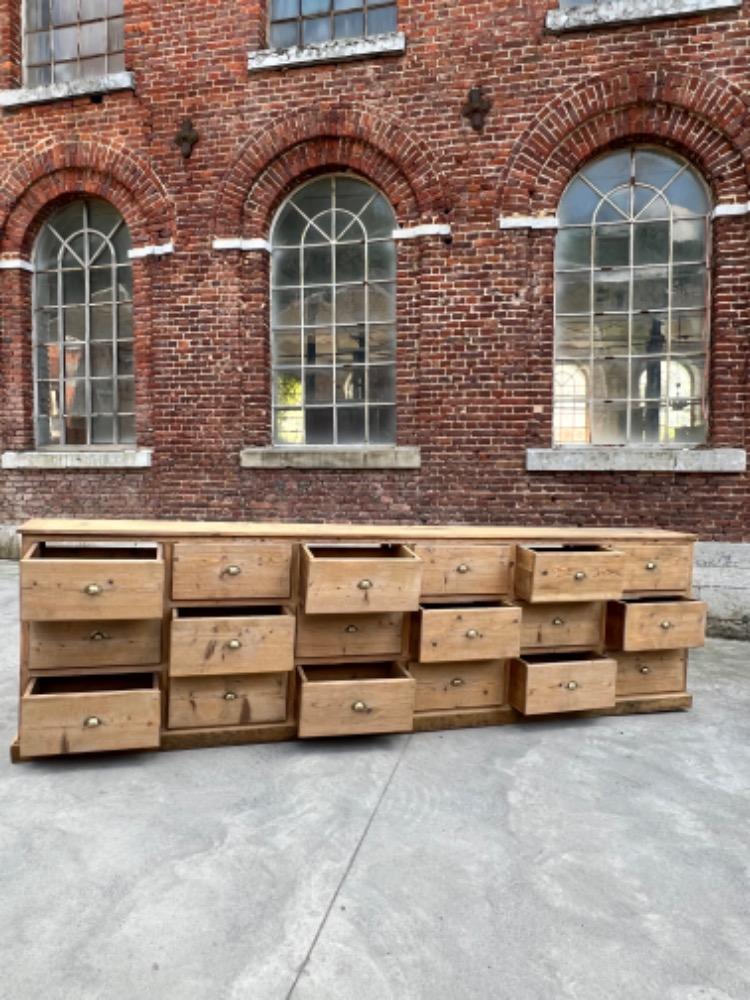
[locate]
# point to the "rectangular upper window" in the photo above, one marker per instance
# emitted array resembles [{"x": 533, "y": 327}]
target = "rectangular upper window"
[
  {"x": 68, "y": 40},
  {"x": 307, "y": 22}
]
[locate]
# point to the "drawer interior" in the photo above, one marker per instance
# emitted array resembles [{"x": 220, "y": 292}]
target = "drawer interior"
[
  {"x": 69, "y": 550},
  {"x": 384, "y": 551},
  {"x": 487, "y": 605},
  {"x": 93, "y": 684},
  {"x": 550, "y": 659},
  {"x": 352, "y": 672},
  {"x": 655, "y": 600},
  {"x": 256, "y": 611},
  {"x": 566, "y": 548}
]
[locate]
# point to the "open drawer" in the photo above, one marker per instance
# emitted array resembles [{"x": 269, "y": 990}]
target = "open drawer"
[
  {"x": 354, "y": 699},
  {"x": 482, "y": 630},
  {"x": 568, "y": 573},
  {"x": 69, "y": 715},
  {"x": 231, "y": 640},
  {"x": 655, "y": 623},
  {"x": 63, "y": 581},
  {"x": 360, "y": 578},
  {"x": 545, "y": 684}
]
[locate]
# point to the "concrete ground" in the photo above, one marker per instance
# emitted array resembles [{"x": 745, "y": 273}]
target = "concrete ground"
[{"x": 602, "y": 859}]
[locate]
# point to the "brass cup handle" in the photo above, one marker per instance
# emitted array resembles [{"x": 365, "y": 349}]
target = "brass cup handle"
[
  {"x": 233, "y": 570},
  {"x": 580, "y": 575},
  {"x": 457, "y": 682},
  {"x": 230, "y": 696},
  {"x": 645, "y": 670},
  {"x": 651, "y": 566},
  {"x": 472, "y": 634},
  {"x": 234, "y": 644},
  {"x": 93, "y": 589},
  {"x": 92, "y": 722},
  {"x": 572, "y": 686},
  {"x": 97, "y": 636},
  {"x": 365, "y": 584},
  {"x": 462, "y": 568},
  {"x": 558, "y": 621},
  {"x": 667, "y": 625},
  {"x": 351, "y": 629},
  {"x": 360, "y": 707}
]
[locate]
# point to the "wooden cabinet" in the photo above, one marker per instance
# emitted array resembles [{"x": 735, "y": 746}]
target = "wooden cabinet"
[
  {"x": 464, "y": 570},
  {"x": 547, "y": 684},
  {"x": 160, "y": 635},
  {"x": 655, "y": 623},
  {"x": 568, "y": 573},
  {"x": 71, "y": 715},
  {"x": 476, "y": 631},
  {"x": 366, "y": 579},
  {"x": 355, "y": 699}
]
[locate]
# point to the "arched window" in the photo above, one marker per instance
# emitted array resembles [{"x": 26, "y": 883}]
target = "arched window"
[
  {"x": 83, "y": 328},
  {"x": 333, "y": 311},
  {"x": 631, "y": 300}
]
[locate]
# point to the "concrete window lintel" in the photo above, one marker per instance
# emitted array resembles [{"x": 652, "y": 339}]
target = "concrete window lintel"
[
  {"x": 338, "y": 50},
  {"x": 404, "y": 457},
  {"x": 611, "y": 12},
  {"x": 615, "y": 459},
  {"x": 21, "y": 96},
  {"x": 66, "y": 459}
]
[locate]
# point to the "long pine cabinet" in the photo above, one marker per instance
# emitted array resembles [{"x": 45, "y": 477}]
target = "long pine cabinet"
[{"x": 146, "y": 635}]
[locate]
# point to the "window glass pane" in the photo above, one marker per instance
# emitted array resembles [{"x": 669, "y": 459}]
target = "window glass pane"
[
  {"x": 286, "y": 267},
  {"x": 319, "y": 347},
  {"x": 689, "y": 287},
  {"x": 382, "y": 385},
  {"x": 286, "y": 347},
  {"x": 382, "y": 424},
  {"x": 689, "y": 332},
  {"x": 126, "y": 427},
  {"x": 75, "y": 430},
  {"x": 93, "y": 38},
  {"x": 289, "y": 427},
  {"x": 609, "y": 423},
  {"x": 47, "y": 329},
  {"x": 573, "y": 293},
  {"x": 74, "y": 323},
  {"x": 116, "y": 63},
  {"x": 382, "y": 261},
  {"x": 38, "y": 47},
  {"x": 65, "y": 43},
  {"x": 284, "y": 8},
  {"x": 39, "y": 76},
  {"x": 689, "y": 237},
  {"x": 350, "y": 262},
  {"x": 318, "y": 385},
  {"x": 125, "y": 320},
  {"x": 612, "y": 246},
  {"x": 318, "y": 306},
  {"x": 75, "y": 362},
  {"x": 351, "y": 344},
  {"x": 611, "y": 291},
  {"x": 288, "y": 388},
  {"x": 75, "y": 397},
  {"x": 48, "y": 362},
  {"x": 101, "y": 284},
  {"x": 283, "y": 36},
  {"x": 37, "y": 14},
  {"x": 126, "y": 395},
  {"x": 286, "y": 309},
  {"x": 46, "y": 289},
  {"x": 351, "y": 384},
  {"x": 574, "y": 248},
  {"x": 648, "y": 204},
  {"x": 609, "y": 171},
  {"x": 125, "y": 361},
  {"x": 101, "y": 360},
  {"x": 378, "y": 219},
  {"x": 350, "y": 304},
  {"x": 315, "y": 6},
  {"x": 573, "y": 337},
  {"x": 319, "y": 426},
  {"x": 651, "y": 288},
  {"x": 382, "y": 343},
  {"x": 74, "y": 287},
  {"x": 381, "y": 20},
  {"x": 350, "y": 25},
  {"x": 611, "y": 335},
  {"x": 116, "y": 34},
  {"x": 650, "y": 333},
  {"x": 655, "y": 167},
  {"x": 102, "y": 430},
  {"x": 318, "y": 264},
  {"x": 317, "y": 29},
  {"x": 351, "y": 424},
  {"x": 687, "y": 195},
  {"x": 102, "y": 396},
  {"x": 124, "y": 282},
  {"x": 382, "y": 303},
  {"x": 651, "y": 243}
]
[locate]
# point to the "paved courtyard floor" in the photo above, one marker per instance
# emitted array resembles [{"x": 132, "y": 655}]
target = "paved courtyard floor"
[{"x": 604, "y": 859}]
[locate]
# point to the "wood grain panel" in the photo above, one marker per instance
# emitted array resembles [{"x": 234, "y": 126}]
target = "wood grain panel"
[
  {"x": 231, "y": 570},
  {"x": 353, "y": 700},
  {"x": 469, "y": 570},
  {"x": 445, "y": 686},
  {"x": 94, "y": 644},
  {"x": 242, "y": 700},
  {"x": 473, "y": 632},
  {"x": 572, "y": 573},
  {"x": 239, "y": 644},
  {"x": 544, "y": 687}
]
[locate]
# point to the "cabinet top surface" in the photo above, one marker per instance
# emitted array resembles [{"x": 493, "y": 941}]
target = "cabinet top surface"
[{"x": 244, "y": 529}]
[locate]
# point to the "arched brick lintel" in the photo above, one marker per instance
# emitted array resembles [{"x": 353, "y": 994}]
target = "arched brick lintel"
[
  {"x": 32, "y": 186},
  {"x": 323, "y": 139},
  {"x": 706, "y": 120}
]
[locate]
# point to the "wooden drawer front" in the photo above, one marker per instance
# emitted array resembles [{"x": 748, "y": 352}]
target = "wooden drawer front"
[
  {"x": 94, "y": 644},
  {"x": 367, "y": 579},
  {"x": 242, "y": 700},
  {"x": 651, "y": 673},
  {"x": 568, "y": 573},
  {"x": 655, "y": 624},
  {"x": 473, "y": 632},
  {"x": 67, "y": 715},
  {"x": 248, "y": 643},
  {"x": 355, "y": 699},
  {"x": 63, "y": 584},
  {"x": 231, "y": 570},
  {"x": 349, "y": 635},
  {"x": 445, "y": 686},
  {"x": 452, "y": 570},
  {"x": 658, "y": 568},
  {"x": 541, "y": 685},
  {"x": 555, "y": 626}
]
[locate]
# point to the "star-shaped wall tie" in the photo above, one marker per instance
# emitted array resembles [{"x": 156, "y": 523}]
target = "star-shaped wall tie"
[
  {"x": 186, "y": 138},
  {"x": 477, "y": 108}
]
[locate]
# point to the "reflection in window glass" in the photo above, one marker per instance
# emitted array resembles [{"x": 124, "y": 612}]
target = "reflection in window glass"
[
  {"x": 305, "y": 22},
  {"x": 631, "y": 302},
  {"x": 72, "y": 39},
  {"x": 333, "y": 312}
]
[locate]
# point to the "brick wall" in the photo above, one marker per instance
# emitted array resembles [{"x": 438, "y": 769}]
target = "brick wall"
[{"x": 475, "y": 314}]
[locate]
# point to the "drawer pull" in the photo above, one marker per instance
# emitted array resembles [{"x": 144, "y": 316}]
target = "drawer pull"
[
  {"x": 97, "y": 636},
  {"x": 92, "y": 722},
  {"x": 360, "y": 707},
  {"x": 645, "y": 670},
  {"x": 572, "y": 686},
  {"x": 472, "y": 634},
  {"x": 230, "y": 696},
  {"x": 233, "y": 570},
  {"x": 351, "y": 629},
  {"x": 93, "y": 589},
  {"x": 234, "y": 644},
  {"x": 365, "y": 584},
  {"x": 558, "y": 621},
  {"x": 462, "y": 568},
  {"x": 457, "y": 682},
  {"x": 580, "y": 575},
  {"x": 651, "y": 566},
  {"x": 667, "y": 625}
]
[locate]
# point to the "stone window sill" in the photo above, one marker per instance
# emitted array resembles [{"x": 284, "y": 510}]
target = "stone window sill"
[
  {"x": 84, "y": 458},
  {"x": 22, "y": 96},
  {"x": 331, "y": 458},
  {"x": 615, "y": 459},
  {"x": 611, "y": 12},
  {"x": 339, "y": 50}
]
